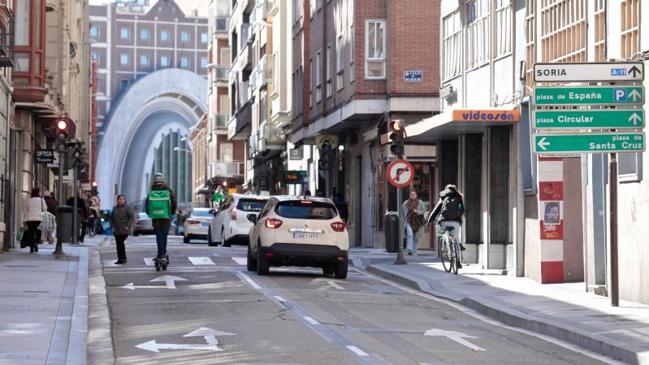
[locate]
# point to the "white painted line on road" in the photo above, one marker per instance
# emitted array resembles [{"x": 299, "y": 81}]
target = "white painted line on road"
[
  {"x": 240, "y": 260},
  {"x": 280, "y": 299},
  {"x": 311, "y": 320},
  {"x": 201, "y": 261},
  {"x": 357, "y": 351},
  {"x": 458, "y": 337},
  {"x": 248, "y": 280},
  {"x": 148, "y": 261}
]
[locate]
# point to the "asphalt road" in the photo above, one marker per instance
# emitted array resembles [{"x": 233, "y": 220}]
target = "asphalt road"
[{"x": 207, "y": 309}]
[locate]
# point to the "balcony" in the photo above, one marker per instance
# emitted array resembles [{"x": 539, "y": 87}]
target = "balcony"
[
  {"x": 221, "y": 73},
  {"x": 223, "y": 169},
  {"x": 269, "y": 138},
  {"x": 244, "y": 93},
  {"x": 6, "y": 49},
  {"x": 246, "y": 35},
  {"x": 239, "y": 126},
  {"x": 221, "y": 25},
  {"x": 219, "y": 121}
]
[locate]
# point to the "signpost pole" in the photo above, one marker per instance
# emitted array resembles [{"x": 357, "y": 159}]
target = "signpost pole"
[
  {"x": 614, "y": 234},
  {"x": 401, "y": 260},
  {"x": 75, "y": 205},
  {"x": 58, "y": 251}
]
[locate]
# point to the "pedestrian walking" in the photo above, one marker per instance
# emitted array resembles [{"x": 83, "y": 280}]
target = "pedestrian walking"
[
  {"x": 217, "y": 198},
  {"x": 122, "y": 220},
  {"x": 181, "y": 217},
  {"x": 160, "y": 206},
  {"x": 82, "y": 211},
  {"x": 341, "y": 205},
  {"x": 32, "y": 218},
  {"x": 413, "y": 213}
]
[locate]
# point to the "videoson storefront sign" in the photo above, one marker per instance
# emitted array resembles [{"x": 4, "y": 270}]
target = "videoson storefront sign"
[{"x": 489, "y": 115}]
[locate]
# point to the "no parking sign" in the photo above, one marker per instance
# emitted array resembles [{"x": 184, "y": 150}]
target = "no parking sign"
[{"x": 400, "y": 173}]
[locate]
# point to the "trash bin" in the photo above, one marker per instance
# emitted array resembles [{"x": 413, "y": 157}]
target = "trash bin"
[
  {"x": 391, "y": 229},
  {"x": 64, "y": 223}
]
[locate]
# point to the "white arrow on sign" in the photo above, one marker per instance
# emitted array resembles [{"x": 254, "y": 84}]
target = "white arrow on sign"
[
  {"x": 543, "y": 144},
  {"x": 331, "y": 284},
  {"x": 634, "y": 94},
  {"x": 635, "y": 118},
  {"x": 458, "y": 337},
  {"x": 170, "y": 283},
  {"x": 207, "y": 333}
]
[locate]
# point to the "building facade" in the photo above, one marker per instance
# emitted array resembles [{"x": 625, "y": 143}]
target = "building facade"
[
  {"x": 6, "y": 111},
  {"x": 355, "y": 69},
  {"x": 160, "y": 53}
]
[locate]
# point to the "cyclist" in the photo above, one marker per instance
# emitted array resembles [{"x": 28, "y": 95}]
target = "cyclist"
[
  {"x": 160, "y": 206},
  {"x": 450, "y": 209}
]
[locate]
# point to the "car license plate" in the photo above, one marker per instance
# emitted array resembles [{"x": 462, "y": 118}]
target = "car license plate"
[{"x": 305, "y": 236}]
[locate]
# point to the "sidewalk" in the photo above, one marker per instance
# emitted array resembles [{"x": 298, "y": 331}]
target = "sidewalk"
[
  {"x": 563, "y": 311},
  {"x": 45, "y": 305}
]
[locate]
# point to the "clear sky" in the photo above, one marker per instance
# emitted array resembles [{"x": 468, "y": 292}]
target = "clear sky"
[{"x": 186, "y": 5}]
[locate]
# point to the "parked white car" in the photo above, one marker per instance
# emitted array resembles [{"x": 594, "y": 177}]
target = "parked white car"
[
  {"x": 197, "y": 224},
  {"x": 230, "y": 224},
  {"x": 299, "y": 231}
]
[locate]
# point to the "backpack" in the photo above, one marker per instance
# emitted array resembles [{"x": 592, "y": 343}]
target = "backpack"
[
  {"x": 452, "y": 207},
  {"x": 159, "y": 204}
]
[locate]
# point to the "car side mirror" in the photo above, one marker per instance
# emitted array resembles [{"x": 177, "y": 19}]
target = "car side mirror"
[
  {"x": 212, "y": 212},
  {"x": 252, "y": 218}
]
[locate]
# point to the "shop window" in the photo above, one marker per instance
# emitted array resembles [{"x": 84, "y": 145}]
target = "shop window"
[
  {"x": 499, "y": 184},
  {"x": 629, "y": 167}
]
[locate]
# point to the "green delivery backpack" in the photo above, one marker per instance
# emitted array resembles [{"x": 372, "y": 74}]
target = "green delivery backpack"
[{"x": 159, "y": 204}]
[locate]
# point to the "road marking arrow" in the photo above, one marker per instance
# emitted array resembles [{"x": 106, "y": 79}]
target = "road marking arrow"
[
  {"x": 212, "y": 343},
  {"x": 543, "y": 144},
  {"x": 330, "y": 284},
  {"x": 635, "y": 118},
  {"x": 458, "y": 337},
  {"x": 634, "y": 94},
  {"x": 170, "y": 283}
]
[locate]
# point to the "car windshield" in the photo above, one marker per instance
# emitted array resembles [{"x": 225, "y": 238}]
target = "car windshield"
[
  {"x": 306, "y": 209},
  {"x": 200, "y": 213},
  {"x": 251, "y": 205}
]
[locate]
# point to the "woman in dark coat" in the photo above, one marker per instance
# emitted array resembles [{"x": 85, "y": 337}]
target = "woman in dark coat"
[{"x": 122, "y": 219}]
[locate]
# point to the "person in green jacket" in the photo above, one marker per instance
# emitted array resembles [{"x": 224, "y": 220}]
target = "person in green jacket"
[{"x": 217, "y": 198}]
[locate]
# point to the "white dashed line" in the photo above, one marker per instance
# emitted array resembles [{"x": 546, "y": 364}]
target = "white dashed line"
[
  {"x": 201, "y": 261},
  {"x": 279, "y": 299},
  {"x": 248, "y": 280},
  {"x": 240, "y": 260},
  {"x": 148, "y": 261},
  {"x": 311, "y": 320},
  {"x": 357, "y": 351}
]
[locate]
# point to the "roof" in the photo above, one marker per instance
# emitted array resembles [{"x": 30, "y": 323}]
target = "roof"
[{"x": 283, "y": 198}]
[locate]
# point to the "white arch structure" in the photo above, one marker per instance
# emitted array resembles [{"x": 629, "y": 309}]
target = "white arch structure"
[{"x": 169, "y": 99}]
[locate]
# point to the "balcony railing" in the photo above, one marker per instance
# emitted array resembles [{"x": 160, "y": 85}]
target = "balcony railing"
[
  {"x": 220, "y": 120},
  {"x": 246, "y": 34},
  {"x": 227, "y": 168},
  {"x": 222, "y": 73},
  {"x": 6, "y": 49},
  {"x": 244, "y": 93}
]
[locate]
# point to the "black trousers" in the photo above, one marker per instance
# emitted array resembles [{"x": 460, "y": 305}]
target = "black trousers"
[
  {"x": 121, "y": 249},
  {"x": 33, "y": 234}
]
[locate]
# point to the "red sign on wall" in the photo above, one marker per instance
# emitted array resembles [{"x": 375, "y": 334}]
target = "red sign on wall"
[{"x": 550, "y": 190}]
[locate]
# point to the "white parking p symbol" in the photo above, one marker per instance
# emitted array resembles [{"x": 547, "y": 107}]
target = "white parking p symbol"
[{"x": 620, "y": 95}]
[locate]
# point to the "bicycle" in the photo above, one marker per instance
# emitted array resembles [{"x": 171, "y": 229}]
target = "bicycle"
[{"x": 446, "y": 250}]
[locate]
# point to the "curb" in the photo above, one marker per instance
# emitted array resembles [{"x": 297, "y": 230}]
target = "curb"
[
  {"x": 100, "y": 348},
  {"x": 79, "y": 325},
  {"x": 509, "y": 316}
]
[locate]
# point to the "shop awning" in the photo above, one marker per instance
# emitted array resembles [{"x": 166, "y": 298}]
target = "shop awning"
[{"x": 448, "y": 125}]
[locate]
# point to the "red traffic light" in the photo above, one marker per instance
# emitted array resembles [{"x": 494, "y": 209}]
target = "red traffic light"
[{"x": 396, "y": 125}]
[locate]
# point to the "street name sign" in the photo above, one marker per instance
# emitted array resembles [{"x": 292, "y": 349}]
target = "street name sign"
[
  {"x": 45, "y": 156},
  {"x": 589, "y": 95},
  {"x": 589, "y": 72},
  {"x": 589, "y": 143},
  {"x": 588, "y": 119}
]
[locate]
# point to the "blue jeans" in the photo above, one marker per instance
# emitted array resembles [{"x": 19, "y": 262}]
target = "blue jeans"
[
  {"x": 411, "y": 239},
  {"x": 161, "y": 234}
]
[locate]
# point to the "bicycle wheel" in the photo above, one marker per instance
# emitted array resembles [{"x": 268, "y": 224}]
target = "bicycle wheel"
[{"x": 442, "y": 252}]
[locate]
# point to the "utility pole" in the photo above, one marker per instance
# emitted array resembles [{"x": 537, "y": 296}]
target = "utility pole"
[
  {"x": 396, "y": 135},
  {"x": 58, "y": 251},
  {"x": 615, "y": 300},
  {"x": 75, "y": 205}
]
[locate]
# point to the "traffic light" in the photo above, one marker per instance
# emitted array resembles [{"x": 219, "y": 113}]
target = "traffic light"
[
  {"x": 397, "y": 135},
  {"x": 64, "y": 129}
]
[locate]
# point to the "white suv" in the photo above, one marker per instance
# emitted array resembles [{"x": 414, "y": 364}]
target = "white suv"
[
  {"x": 299, "y": 231},
  {"x": 230, "y": 223}
]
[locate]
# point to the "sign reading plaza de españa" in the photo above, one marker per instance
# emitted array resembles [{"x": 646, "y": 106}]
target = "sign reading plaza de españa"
[{"x": 589, "y": 95}]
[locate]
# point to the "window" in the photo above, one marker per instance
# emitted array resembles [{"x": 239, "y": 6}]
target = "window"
[
  {"x": 297, "y": 10},
  {"x": 144, "y": 34},
  {"x": 312, "y": 83},
  {"x": 164, "y": 61},
  {"x": 124, "y": 33},
  {"x": 319, "y": 4},
  {"x": 204, "y": 39},
  {"x": 451, "y": 46},
  {"x": 123, "y": 59},
  {"x": 144, "y": 60},
  {"x": 329, "y": 66},
  {"x": 312, "y": 7},
  {"x": 375, "y": 49},
  {"x": 318, "y": 75},
  {"x": 123, "y": 84},
  {"x": 203, "y": 62},
  {"x": 184, "y": 37},
  {"x": 340, "y": 62},
  {"x": 275, "y": 73},
  {"x": 164, "y": 36},
  {"x": 306, "y": 209},
  {"x": 94, "y": 32},
  {"x": 352, "y": 53},
  {"x": 630, "y": 38},
  {"x": 530, "y": 30},
  {"x": 563, "y": 38},
  {"x": 503, "y": 28},
  {"x": 477, "y": 33},
  {"x": 224, "y": 58},
  {"x": 95, "y": 56},
  {"x": 600, "y": 30},
  {"x": 184, "y": 62}
]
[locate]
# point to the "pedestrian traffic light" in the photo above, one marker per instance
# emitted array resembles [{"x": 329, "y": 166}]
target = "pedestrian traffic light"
[{"x": 396, "y": 135}]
